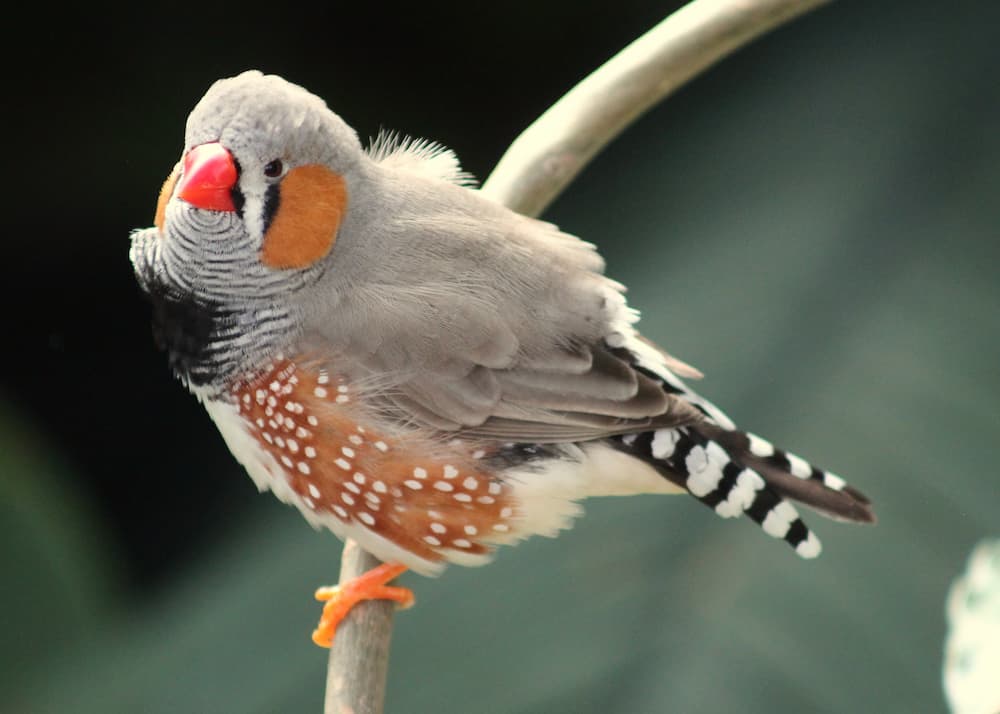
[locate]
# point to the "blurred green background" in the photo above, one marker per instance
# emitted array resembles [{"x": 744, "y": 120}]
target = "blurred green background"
[{"x": 813, "y": 223}]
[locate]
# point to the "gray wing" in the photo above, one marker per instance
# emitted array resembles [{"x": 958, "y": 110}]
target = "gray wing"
[
  {"x": 526, "y": 404},
  {"x": 466, "y": 317}
]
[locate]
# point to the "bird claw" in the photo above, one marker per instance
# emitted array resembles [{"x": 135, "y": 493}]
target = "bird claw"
[{"x": 339, "y": 599}]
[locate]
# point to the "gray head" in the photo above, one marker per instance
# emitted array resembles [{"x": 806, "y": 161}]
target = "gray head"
[{"x": 253, "y": 206}]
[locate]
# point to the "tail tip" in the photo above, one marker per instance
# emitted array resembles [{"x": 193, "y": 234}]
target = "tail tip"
[{"x": 810, "y": 547}]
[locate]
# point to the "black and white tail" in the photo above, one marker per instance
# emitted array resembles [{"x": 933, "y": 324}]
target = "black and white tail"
[{"x": 735, "y": 473}]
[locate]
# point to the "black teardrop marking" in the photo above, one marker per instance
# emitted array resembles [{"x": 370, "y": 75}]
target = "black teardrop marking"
[{"x": 272, "y": 198}]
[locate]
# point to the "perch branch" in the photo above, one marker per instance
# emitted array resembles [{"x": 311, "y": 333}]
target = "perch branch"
[
  {"x": 535, "y": 169},
  {"x": 359, "y": 657},
  {"x": 551, "y": 152}
]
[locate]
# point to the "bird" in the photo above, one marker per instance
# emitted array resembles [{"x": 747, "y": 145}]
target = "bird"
[{"x": 416, "y": 367}]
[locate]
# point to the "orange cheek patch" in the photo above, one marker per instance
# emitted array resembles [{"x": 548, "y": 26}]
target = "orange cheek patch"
[
  {"x": 304, "y": 228},
  {"x": 165, "y": 193}
]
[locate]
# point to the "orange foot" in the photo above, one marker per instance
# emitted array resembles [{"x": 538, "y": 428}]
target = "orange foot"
[{"x": 340, "y": 599}]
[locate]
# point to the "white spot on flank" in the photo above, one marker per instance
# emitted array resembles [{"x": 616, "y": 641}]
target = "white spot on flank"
[
  {"x": 372, "y": 497},
  {"x": 286, "y": 461},
  {"x": 486, "y": 499},
  {"x": 359, "y": 477},
  {"x": 274, "y": 386},
  {"x": 260, "y": 422},
  {"x": 355, "y": 439},
  {"x": 303, "y": 467},
  {"x": 361, "y": 429},
  {"x": 302, "y": 432},
  {"x": 309, "y": 502},
  {"x": 320, "y": 392},
  {"x": 443, "y": 486},
  {"x": 438, "y": 528},
  {"x": 366, "y": 518},
  {"x": 313, "y": 491},
  {"x": 272, "y": 402},
  {"x": 347, "y": 451},
  {"x": 267, "y": 437},
  {"x": 494, "y": 488},
  {"x": 342, "y": 388},
  {"x": 464, "y": 497},
  {"x": 381, "y": 446},
  {"x": 415, "y": 485},
  {"x": 280, "y": 442},
  {"x": 293, "y": 446},
  {"x": 432, "y": 540},
  {"x": 313, "y": 421},
  {"x": 461, "y": 543},
  {"x": 501, "y": 528},
  {"x": 310, "y": 452},
  {"x": 340, "y": 511},
  {"x": 347, "y": 498},
  {"x": 261, "y": 395},
  {"x": 478, "y": 454},
  {"x": 471, "y": 530},
  {"x": 343, "y": 463},
  {"x": 435, "y": 514},
  {"x": 419, "y": 472},
  {"x": 323, "y": 377},
  {"x": 470, "y": 483},
  {"x": 246, "y": 399},
  {"x": 342, "y": 399},
  {"x": 352, "y": 487},
  {"x": 379, "y": 486},
  {"x": 506, "y": 512},
  {"x": 450, "y": 471}
]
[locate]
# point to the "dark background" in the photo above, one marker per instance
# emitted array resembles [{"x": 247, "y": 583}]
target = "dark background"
[{"x": 813, "y": 223}]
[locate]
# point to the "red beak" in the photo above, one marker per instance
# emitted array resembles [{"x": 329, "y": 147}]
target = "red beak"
[{"x": 208, "y": 178}]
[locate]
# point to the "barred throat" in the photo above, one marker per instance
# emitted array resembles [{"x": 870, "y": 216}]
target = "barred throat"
[
  {"x": 217, "y": 311},
  {"x": 209, "y": 344}
]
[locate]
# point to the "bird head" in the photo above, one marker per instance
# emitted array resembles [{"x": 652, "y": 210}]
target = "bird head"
[
  {"x": 252, "y": 208},
  {"x": 261, "y": 187}
]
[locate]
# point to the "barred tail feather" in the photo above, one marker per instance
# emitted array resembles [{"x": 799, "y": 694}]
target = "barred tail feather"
[
  {"x": 730, "y": 488},
  {"x": 735, "y": 472},
  {"x": 793, "y": 477}
]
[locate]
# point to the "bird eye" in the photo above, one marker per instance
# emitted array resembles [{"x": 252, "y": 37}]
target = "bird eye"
[{"x": 273, "y": 169}]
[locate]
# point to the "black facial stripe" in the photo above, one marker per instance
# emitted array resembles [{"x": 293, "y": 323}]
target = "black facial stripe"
[
  {"x": 272, "y": 197},
  {"x": 238, "y": 200}
]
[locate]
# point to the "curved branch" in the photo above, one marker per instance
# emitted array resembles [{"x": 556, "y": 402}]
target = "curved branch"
[{"x": 551, "y": 152}]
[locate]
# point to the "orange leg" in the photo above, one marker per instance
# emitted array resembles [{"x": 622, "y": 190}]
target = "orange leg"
[{"x": 340, "y": 599}]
